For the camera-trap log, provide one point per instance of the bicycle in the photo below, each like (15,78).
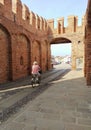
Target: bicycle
(35,80)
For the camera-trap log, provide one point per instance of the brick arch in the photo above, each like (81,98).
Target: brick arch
(22,56)
(77,49)
(36,52)
(5,55)
(57,40)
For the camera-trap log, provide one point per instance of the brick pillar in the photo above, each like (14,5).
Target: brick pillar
(84,59)
(88,43)
(60,25)
(73,57)
(50,25)
(88,59)
(49,56)
(72,23)
(73,62)
(8,9)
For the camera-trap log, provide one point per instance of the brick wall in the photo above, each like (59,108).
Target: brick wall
(87,41)
(24,37)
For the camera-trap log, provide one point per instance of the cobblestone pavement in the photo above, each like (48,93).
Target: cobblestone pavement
(64,105)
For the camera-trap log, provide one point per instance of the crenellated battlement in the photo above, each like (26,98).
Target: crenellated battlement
(72,25)
(19,13)
(22,33)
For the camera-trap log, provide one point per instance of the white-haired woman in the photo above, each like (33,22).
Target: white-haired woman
(35,69)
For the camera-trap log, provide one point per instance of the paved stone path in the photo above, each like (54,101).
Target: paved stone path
(15,94)
(64,105)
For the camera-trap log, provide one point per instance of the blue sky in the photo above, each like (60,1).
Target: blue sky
(55,9)
(61,49)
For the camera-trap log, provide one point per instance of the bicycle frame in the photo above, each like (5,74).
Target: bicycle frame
(35,79)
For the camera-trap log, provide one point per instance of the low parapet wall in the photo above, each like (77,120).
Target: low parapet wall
(72,25)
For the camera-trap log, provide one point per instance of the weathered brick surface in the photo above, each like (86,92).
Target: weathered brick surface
(88,44)
(25,37)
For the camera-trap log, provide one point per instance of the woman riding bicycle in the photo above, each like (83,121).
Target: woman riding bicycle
(36,69)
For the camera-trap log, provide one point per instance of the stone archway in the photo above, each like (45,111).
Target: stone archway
(61,40)
(5,56)
(77,48)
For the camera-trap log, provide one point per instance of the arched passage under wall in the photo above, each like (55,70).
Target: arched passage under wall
(5,55)
(76,51)
(60,40)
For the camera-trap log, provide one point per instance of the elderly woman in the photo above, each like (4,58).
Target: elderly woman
(36,69)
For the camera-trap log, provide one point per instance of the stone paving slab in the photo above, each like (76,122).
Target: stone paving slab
(64,105)
(10,102)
